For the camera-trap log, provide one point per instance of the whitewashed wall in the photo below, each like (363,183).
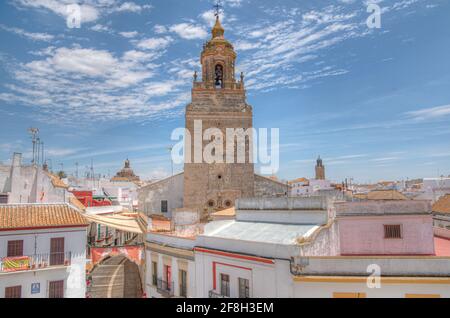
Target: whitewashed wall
(38,242)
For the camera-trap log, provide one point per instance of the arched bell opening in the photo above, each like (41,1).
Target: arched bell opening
(218,76)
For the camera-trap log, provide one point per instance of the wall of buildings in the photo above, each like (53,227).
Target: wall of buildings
(176,252)
(349,290)
(366,235)
(170,189)
(266,187)
(29,184)
(38,242)
(361,227)
(267,278)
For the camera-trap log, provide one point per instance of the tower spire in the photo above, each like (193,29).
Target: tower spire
(217,7)
(218,30)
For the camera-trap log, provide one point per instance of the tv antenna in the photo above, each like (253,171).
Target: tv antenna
(34,132)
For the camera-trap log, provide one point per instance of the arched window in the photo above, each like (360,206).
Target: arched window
(218,76)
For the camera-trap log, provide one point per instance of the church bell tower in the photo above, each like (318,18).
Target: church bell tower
(218,102)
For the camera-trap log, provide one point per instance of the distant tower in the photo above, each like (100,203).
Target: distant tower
(320,170)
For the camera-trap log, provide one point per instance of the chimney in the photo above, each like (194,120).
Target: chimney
(16,178)
(17,160)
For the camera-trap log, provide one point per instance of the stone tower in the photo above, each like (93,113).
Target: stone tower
(218,101)
(320,170)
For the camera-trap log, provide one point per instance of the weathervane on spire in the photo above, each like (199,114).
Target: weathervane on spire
(217,7)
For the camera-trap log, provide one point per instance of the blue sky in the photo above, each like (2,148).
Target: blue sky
(374,103)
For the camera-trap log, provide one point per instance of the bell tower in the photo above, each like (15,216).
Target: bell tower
(219,103)
(320,169)
(217,59)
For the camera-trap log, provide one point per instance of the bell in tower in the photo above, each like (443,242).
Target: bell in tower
(218,62)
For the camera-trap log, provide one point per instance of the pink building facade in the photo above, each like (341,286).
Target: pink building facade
(385,228)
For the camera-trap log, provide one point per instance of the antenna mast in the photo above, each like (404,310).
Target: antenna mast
(34,132)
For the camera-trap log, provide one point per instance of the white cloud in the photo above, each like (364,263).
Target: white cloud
(80,85)
(430,113)
(155,43)
(89,12)
(210,18)
(100,28)
(188,31)
(131,7)
(30,35)
(129,35)
(160,29)
(246,45)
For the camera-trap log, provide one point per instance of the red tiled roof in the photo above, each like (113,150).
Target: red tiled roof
(29,216)
(442,205)
(386,195)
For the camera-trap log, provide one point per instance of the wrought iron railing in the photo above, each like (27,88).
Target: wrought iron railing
(165,288)
(37,261)
(213,294)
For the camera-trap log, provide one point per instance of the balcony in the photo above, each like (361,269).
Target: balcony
(213,294)
(34,262)
(166,289)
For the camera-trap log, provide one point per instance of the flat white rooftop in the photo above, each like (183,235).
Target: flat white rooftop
(263,232)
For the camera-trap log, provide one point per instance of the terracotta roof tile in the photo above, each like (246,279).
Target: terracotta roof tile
(227,212)
(57,182)
(442,205)
(304,180)
(385,195)
(39,216)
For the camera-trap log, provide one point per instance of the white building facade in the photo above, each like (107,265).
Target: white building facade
(45,256)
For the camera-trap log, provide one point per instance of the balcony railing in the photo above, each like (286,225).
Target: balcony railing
(37,261)
(213,294)
(165,288)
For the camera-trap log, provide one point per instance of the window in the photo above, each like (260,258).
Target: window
(211,203)
(155,273)
(225,285)
(228,204)
(13,292)
(168,276)
(183,283)
(56,289)
(99,232)
(3,199)
(244,288)
(15,248)
(57,251)
(164,206)
(392,232)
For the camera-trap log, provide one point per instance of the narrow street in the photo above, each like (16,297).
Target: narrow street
(117,277)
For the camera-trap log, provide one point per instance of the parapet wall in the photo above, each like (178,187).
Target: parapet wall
(311,203)
(379,207)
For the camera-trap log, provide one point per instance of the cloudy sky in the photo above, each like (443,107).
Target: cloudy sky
(374,103)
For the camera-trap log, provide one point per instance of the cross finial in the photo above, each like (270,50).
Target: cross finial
(217,7)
